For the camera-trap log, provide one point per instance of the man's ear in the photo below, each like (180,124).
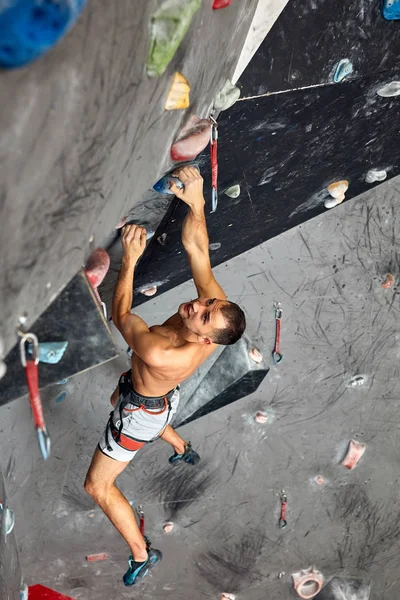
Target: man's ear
(205,340)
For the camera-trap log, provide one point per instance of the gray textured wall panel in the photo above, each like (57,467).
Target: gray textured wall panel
(337,322)
(84,135)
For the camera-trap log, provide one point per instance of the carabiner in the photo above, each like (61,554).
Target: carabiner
(44,442)
(278,310)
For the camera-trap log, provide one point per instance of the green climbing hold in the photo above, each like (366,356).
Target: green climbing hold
(169,25)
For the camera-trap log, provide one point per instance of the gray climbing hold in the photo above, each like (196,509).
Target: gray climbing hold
(343,69)
(233,191)
(390,90)
(375,175)
(215,246)
(227,96)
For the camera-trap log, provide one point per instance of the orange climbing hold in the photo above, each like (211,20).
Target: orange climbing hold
(388,283)
(192,139)
(221,4)
(178,97)
(353,455)
(95,557)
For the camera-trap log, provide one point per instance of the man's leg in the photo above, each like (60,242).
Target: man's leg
(100,485)
(174,439)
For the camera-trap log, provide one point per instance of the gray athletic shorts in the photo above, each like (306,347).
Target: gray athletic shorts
(143,425)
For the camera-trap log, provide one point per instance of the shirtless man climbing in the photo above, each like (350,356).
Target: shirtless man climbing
(163,355)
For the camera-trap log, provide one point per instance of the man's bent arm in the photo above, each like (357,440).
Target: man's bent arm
(194,233)
(123,293)
(147,345)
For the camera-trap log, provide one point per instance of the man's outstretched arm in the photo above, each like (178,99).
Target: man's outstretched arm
(144,343)
(194,233)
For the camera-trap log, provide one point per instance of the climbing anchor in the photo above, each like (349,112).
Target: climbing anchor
(276,355)
(30,364)
(282,518)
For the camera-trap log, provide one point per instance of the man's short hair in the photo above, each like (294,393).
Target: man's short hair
(235,325)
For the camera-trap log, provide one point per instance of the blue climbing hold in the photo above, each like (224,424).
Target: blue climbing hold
(61,397)
(162,185)
(29,28)
(343,69)
(391,9)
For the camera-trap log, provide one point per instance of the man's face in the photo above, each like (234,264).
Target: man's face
(202,316)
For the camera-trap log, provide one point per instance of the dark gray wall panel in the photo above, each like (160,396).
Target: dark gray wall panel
(310,38)
(284,150)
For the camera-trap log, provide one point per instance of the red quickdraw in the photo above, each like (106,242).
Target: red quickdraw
(140,513)
(141,519)
(282,518)
(30,364)
(214,164)
(276,354)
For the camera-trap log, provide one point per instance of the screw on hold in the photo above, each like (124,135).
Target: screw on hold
(343,69)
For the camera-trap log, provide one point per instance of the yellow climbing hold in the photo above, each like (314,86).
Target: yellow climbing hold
(337,191)
(178,97)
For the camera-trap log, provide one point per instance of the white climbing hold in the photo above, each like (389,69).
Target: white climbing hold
(215,246)
(227,96)
(227,596)
(148,291)
(233,191)
(390,90)
(256,355)
(375,175)
(344,68)
(357,380)
(168,527)
(3,369)
(337,192)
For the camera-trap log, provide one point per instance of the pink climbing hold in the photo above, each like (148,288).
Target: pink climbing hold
(261,417)
(97,266)
(256,355)
(353,455)
(121,223)
(168,527)
(149,291)
(221,4)
(192,139)
(307,583)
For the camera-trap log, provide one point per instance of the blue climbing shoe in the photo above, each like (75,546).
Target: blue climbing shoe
(190,456)
(138,570)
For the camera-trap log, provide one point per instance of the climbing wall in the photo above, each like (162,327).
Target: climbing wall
(85,133)
(295,131)
(339,381)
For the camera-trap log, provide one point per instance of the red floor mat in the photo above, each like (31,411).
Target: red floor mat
(39,592)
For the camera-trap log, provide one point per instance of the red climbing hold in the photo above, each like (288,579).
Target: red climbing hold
(354,453)
(221,4)
(97,266)
(192,140)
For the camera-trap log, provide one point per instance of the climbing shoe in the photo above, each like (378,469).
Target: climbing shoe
(138,570)
(190,456)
